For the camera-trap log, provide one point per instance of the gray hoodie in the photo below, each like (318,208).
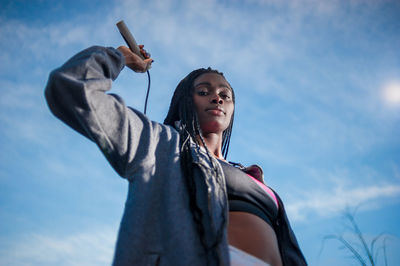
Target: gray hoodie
(157,227)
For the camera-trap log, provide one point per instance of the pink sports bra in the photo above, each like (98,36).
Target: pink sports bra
(247,194)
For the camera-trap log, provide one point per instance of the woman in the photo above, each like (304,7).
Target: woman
(186,205)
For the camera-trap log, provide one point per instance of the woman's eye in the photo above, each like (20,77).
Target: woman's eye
(202,93)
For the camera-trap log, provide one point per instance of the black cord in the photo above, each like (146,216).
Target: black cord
(148,90)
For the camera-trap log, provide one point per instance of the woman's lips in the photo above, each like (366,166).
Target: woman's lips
(216,111)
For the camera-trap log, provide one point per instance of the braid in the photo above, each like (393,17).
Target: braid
(181,109)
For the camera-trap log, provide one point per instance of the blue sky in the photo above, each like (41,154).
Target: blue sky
(318,107)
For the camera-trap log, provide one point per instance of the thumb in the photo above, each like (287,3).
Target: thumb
(148,62)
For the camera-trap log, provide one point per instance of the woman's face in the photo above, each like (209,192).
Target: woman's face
(213,101)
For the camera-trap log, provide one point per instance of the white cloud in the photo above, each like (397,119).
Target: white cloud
(324,203)
(211,32)
(23,112)
(92,247)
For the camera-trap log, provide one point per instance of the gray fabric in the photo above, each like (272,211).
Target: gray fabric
(157,227)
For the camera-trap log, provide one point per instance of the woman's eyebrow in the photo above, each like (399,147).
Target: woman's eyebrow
(222,85)
(202,83)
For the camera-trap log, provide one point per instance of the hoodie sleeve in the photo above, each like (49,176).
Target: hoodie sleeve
(77,94)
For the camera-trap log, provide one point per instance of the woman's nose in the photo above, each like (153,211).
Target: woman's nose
(217,99)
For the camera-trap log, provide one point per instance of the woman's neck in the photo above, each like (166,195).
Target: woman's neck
(213,142)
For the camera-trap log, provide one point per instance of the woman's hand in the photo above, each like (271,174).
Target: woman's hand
(134,61)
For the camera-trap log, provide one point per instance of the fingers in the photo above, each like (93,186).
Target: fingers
(126,51)
(134,62)
(148,62)
(144,52)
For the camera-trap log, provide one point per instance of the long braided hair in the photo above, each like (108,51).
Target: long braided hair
(182,109)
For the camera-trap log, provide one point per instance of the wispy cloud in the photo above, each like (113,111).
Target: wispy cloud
(91,247)
(23,112)
(326,204)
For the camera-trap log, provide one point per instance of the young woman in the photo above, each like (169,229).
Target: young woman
(186,205)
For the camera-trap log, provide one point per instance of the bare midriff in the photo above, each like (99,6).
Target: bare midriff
(253,235)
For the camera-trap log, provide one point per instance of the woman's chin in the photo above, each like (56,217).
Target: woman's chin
(213,127)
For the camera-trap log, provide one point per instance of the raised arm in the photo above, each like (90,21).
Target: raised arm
(76,94)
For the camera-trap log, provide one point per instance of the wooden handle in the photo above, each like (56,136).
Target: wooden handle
(128,37)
